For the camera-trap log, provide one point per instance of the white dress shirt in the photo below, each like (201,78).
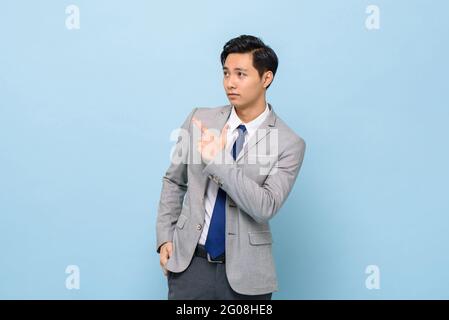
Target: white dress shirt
(212,188)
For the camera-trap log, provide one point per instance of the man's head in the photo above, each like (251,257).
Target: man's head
(249,67)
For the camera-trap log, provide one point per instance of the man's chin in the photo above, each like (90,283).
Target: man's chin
(236,105)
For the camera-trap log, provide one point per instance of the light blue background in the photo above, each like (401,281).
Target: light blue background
(85,118)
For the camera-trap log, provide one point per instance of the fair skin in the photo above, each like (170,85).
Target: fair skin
(241,78)
(246,91)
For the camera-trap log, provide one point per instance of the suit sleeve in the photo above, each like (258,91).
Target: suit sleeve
(261,202)
(174,187)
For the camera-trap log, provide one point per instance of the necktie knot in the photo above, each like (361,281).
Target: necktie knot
(241,128)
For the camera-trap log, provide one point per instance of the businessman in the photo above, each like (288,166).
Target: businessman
(231,171)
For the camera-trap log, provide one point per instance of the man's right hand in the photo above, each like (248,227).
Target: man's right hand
(165,254)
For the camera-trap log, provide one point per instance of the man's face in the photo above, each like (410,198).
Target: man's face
(241,81)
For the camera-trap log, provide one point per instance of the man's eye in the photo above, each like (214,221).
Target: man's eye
(241,74)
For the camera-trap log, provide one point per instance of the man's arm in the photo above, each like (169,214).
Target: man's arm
(260,202)
(174,187)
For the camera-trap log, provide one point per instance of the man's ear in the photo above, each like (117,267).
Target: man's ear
(267,78)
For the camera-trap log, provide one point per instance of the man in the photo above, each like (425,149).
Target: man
(232,169)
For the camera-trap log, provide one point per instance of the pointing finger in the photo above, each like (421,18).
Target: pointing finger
(224,134)
(199,125)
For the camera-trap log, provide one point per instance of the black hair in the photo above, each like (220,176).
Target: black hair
(264,58)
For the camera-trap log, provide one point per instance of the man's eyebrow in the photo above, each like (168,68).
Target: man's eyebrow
(237,69)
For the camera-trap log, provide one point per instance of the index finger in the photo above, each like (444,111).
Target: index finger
(224,133)
(199,124)
(225,129)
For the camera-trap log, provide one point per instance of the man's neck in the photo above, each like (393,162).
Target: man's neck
(247,114)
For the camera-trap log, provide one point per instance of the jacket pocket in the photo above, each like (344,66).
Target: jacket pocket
(181,221)
(260,238)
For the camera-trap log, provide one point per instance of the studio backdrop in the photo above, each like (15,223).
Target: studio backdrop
(91,91)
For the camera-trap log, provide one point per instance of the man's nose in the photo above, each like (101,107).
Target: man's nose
(230,84)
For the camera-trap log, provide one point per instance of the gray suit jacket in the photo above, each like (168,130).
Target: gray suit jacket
(257,183)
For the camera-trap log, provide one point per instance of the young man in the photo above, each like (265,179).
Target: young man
(232,169)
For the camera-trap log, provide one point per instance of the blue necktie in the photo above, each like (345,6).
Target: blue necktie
(215,242)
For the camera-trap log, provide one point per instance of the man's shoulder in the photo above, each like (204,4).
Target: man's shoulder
(286,133)
(204,114)
(211,110)
(208,115)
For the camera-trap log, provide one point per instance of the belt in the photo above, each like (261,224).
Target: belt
(201,252)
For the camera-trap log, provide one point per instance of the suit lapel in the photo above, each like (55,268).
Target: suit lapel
(263,131)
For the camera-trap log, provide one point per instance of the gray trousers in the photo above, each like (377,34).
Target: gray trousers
(203,280)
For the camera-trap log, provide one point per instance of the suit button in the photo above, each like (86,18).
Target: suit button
(198,227)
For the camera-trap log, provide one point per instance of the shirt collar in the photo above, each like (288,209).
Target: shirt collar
(234,121)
